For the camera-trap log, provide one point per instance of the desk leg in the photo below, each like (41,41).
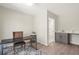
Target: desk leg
(2,48)
(31,42)
(36,46)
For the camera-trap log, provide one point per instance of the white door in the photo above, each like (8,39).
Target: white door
(51,30)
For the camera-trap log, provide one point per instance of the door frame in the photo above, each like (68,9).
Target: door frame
(48,29)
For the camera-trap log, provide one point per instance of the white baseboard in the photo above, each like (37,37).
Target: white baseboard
(42,42)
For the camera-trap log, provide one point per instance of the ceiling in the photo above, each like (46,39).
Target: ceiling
(32,10)
(57,8)
(62,8)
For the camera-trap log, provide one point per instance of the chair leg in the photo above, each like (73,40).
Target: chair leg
(21,46)
(36,46)
(24,46)
(14,49)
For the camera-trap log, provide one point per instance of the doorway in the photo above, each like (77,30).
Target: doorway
(51,30)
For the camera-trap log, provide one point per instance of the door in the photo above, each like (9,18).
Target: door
(51,30)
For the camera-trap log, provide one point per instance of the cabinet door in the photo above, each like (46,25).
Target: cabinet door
(61,37)
(74,39)
(58,37)
(64,38)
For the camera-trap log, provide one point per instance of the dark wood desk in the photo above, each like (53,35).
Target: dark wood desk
(6,41)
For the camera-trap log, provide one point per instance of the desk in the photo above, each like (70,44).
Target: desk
(5,41)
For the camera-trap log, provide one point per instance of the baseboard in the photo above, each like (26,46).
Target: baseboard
(43,43)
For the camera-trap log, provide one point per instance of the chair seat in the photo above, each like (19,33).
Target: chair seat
(19,43)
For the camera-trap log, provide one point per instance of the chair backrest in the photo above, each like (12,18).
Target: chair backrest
(18,35)
(34,37)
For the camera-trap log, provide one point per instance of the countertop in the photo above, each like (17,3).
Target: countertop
(73,33)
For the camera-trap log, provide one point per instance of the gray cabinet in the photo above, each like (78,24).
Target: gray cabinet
(62,38)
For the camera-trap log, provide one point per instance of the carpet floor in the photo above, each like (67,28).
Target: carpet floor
(52,49)
(8,50)
(60,49)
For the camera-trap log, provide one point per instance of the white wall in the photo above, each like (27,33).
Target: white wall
(14,21)
(40,26)
(69,23)
(0,23)
(68,16)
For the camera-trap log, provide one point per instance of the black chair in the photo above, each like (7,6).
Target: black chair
(34,41)
(18,40)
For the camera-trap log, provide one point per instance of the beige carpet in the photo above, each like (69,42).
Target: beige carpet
(59,49)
